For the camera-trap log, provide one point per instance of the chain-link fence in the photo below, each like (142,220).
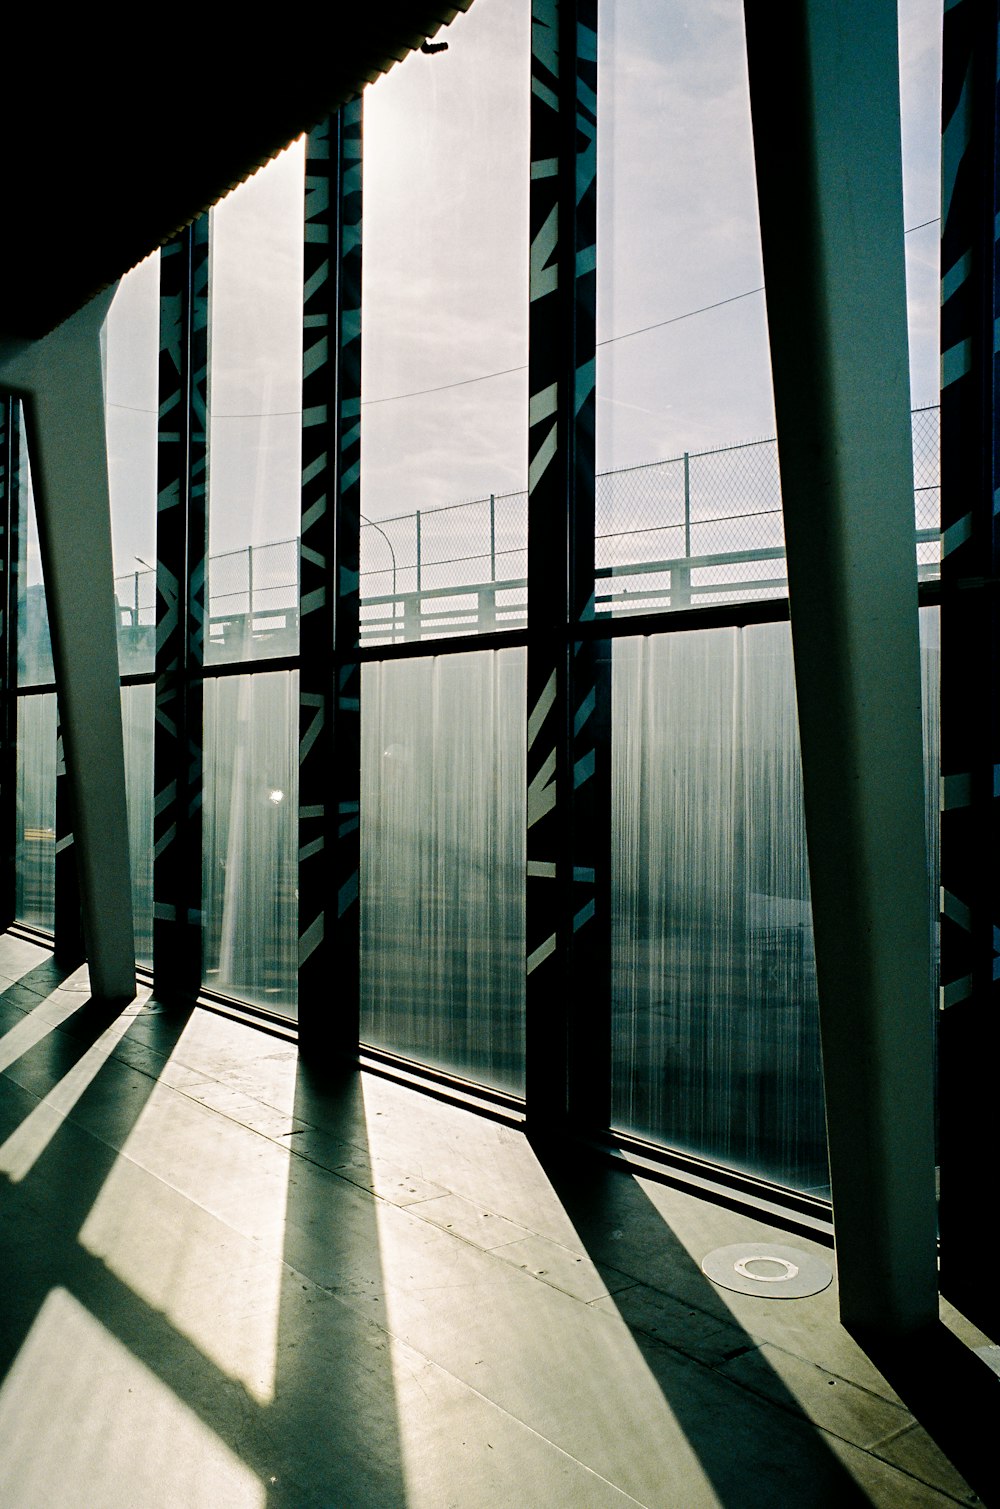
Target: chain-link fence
(461,569)
(253,602)
(927,488)
(705,527)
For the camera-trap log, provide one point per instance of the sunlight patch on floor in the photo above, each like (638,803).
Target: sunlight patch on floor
(48,1014)
(30,1139)
(192,1219)
(538,1353)
(83,1421)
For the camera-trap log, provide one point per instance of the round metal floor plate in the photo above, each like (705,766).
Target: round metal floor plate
(766,1270)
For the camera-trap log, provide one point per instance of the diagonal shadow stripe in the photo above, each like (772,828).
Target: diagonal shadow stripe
(953,1393)
(332,1422)
(40,979)
(753,1454)
(335,1377)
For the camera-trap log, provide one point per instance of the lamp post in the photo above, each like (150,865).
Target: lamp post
(372,525)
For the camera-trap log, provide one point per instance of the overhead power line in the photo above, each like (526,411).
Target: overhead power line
(465,382)
(610,341)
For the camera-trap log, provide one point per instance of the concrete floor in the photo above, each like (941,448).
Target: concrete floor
(227,1285)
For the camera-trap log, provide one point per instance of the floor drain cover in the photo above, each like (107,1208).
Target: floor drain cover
(767,1271)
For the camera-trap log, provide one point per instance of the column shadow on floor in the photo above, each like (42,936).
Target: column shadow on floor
(335,1403)
(756,1446)
(953,1393)
(330,1429)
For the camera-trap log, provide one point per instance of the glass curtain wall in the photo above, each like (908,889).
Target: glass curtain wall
(34,646)
(131,362)
(443,549)
(138,709)
(689,504)
(36,810)
(715,1020)
(683,366)
(715,1031)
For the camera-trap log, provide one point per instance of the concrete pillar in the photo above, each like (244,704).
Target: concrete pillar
(825,107)
(60,382)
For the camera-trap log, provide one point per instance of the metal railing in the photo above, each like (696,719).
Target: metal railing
(702,528)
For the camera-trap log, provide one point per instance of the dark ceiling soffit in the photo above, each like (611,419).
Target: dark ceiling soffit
(102,167)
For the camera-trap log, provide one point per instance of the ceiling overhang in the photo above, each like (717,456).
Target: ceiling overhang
(101,165)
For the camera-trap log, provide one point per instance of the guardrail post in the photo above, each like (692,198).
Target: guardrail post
(417,517)
(493,537)
(486,599)
(411,616)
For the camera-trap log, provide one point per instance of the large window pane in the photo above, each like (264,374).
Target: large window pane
(138,707)
(444,366)
(255,413)
(716,1027)
(688,511)
(36,810)
(34,645)
(132,348)
(250,837)
(716,1041)
(442,862)
(683,363)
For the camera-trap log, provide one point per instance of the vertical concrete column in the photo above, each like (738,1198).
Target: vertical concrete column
(826,130)
(60,382)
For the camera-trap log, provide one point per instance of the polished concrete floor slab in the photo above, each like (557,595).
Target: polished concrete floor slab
(227,1281)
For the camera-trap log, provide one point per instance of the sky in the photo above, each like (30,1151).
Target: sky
(678,227)
(445,275)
